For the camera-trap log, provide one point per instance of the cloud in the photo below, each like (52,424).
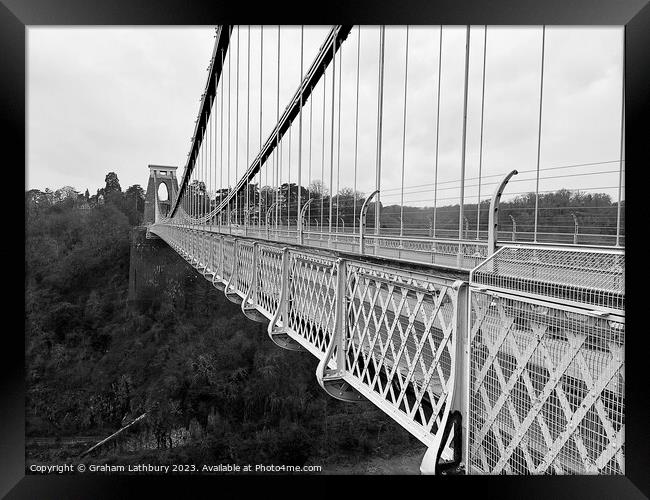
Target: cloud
(117,99)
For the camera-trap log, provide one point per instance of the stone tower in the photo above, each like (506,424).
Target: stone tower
(159,174)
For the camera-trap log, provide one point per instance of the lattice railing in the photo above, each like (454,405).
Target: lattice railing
(547,363)
(269,276)
(312,298)
(401,344)
(228,258)
(244,258)
(544,352)
(464,255)
(389,334)
(215,255)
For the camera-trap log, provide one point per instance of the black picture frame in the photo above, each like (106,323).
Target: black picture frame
(17,15)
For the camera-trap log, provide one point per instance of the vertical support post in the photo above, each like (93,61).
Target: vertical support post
(458,397)
(494,213)
(279,335)
(332,380)
(340,328)
(252,289)
(233,276)
(211,252)
(221,255)
(461,384)
(284,304)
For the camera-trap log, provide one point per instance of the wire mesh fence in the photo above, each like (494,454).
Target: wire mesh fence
(547,363)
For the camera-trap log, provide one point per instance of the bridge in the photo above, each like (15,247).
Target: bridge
(501,350)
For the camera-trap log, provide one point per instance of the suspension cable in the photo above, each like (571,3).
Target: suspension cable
(435,182)
(480,154)
(248,111)
(311,109)
(221,142)
(356,135)
(464,141)
(277,140)
(289,180)
(237,196)
(332,139)
(299,206)
(406,71)
(338,153)
(322,197)
(210,156)
(539,134)
(380,116)
(229,139)
(259,215)
(622,157)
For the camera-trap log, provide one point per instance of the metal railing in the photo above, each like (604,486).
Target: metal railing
(529,359)
(546,362)
(384,334)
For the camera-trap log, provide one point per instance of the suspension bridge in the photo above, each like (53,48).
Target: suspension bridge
(486,329)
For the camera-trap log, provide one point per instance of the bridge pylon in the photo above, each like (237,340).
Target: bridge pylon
(159,174)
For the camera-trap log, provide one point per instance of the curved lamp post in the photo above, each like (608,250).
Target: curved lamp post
(300,220)
(362,219)
(268,214)
(493,226)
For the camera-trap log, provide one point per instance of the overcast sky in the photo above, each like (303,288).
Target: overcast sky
(118,99)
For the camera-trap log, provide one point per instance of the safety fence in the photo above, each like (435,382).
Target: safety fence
(516,369)
(462,254)
(380,333)
(546,362)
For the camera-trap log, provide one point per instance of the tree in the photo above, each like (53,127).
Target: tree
(65,193)
(112,183)
(318,189)
(136,195)
(113,190)
(349,203)
(134,204)
(36,200)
